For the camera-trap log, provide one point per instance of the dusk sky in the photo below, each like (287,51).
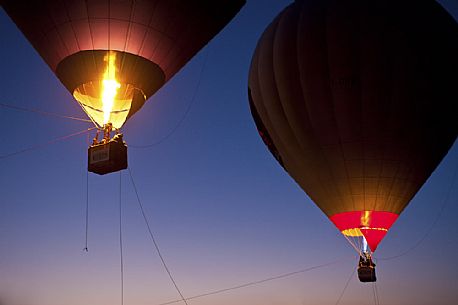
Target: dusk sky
(223,211)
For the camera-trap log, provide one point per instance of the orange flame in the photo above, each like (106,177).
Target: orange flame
(365,218)
(110,86)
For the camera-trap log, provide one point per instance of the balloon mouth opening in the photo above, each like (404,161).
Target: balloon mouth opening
(106,101)
(112,107)
(123,79)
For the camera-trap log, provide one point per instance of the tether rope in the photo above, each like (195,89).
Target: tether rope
(87,211)
(45,144)
(375,291)
(185,114)
(153,239)
(87,204)
(345,287)
(43,113)
(253,283)
(433,224)
(120,241)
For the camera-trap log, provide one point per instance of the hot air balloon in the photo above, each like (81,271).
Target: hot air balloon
(357,101)
(112,55)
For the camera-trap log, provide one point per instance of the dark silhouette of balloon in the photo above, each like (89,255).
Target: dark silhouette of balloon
(146,42)
(357,100)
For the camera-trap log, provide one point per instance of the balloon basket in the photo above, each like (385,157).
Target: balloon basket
(366,269)
(107,157)
(366,274)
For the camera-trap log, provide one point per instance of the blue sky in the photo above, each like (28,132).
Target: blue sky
(223,211)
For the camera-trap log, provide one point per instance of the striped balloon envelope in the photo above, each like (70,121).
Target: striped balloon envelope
(136,46)
(357,101)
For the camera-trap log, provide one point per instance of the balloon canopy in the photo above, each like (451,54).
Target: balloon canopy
(357,100)
(112,55)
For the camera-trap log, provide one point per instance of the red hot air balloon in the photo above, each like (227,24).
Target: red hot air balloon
(112,55)
(357,100)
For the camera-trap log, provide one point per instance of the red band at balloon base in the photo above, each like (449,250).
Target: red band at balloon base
(373,224)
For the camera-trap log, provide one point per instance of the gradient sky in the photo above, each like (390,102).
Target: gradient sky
(223,211)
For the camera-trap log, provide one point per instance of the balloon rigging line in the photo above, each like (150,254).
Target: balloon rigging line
(433,224)
(43,112)
(87,202)
(375,292)
(153,239)
(120,240)
(351,243)
(346,286)
(46,144)
(253,283)
(87,211)
(87,113)
(185,114)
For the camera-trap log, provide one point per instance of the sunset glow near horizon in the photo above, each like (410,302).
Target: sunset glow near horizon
(223,211)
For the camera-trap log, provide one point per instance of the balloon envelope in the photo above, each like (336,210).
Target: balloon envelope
(151,41)
(357,100)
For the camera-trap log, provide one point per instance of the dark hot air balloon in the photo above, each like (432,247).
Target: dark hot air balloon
(357,101)
(112,55)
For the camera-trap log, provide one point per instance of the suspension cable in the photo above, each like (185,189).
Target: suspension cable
(46,144)
(43,112)
(433,224)
(253,283)
(352,244)
(87,211)
(375,291)
(190,104)
(120,241)
(90,117)
(153,239)
(87,203)
(345,287)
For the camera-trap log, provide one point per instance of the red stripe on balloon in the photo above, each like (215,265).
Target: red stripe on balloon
(373,224)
